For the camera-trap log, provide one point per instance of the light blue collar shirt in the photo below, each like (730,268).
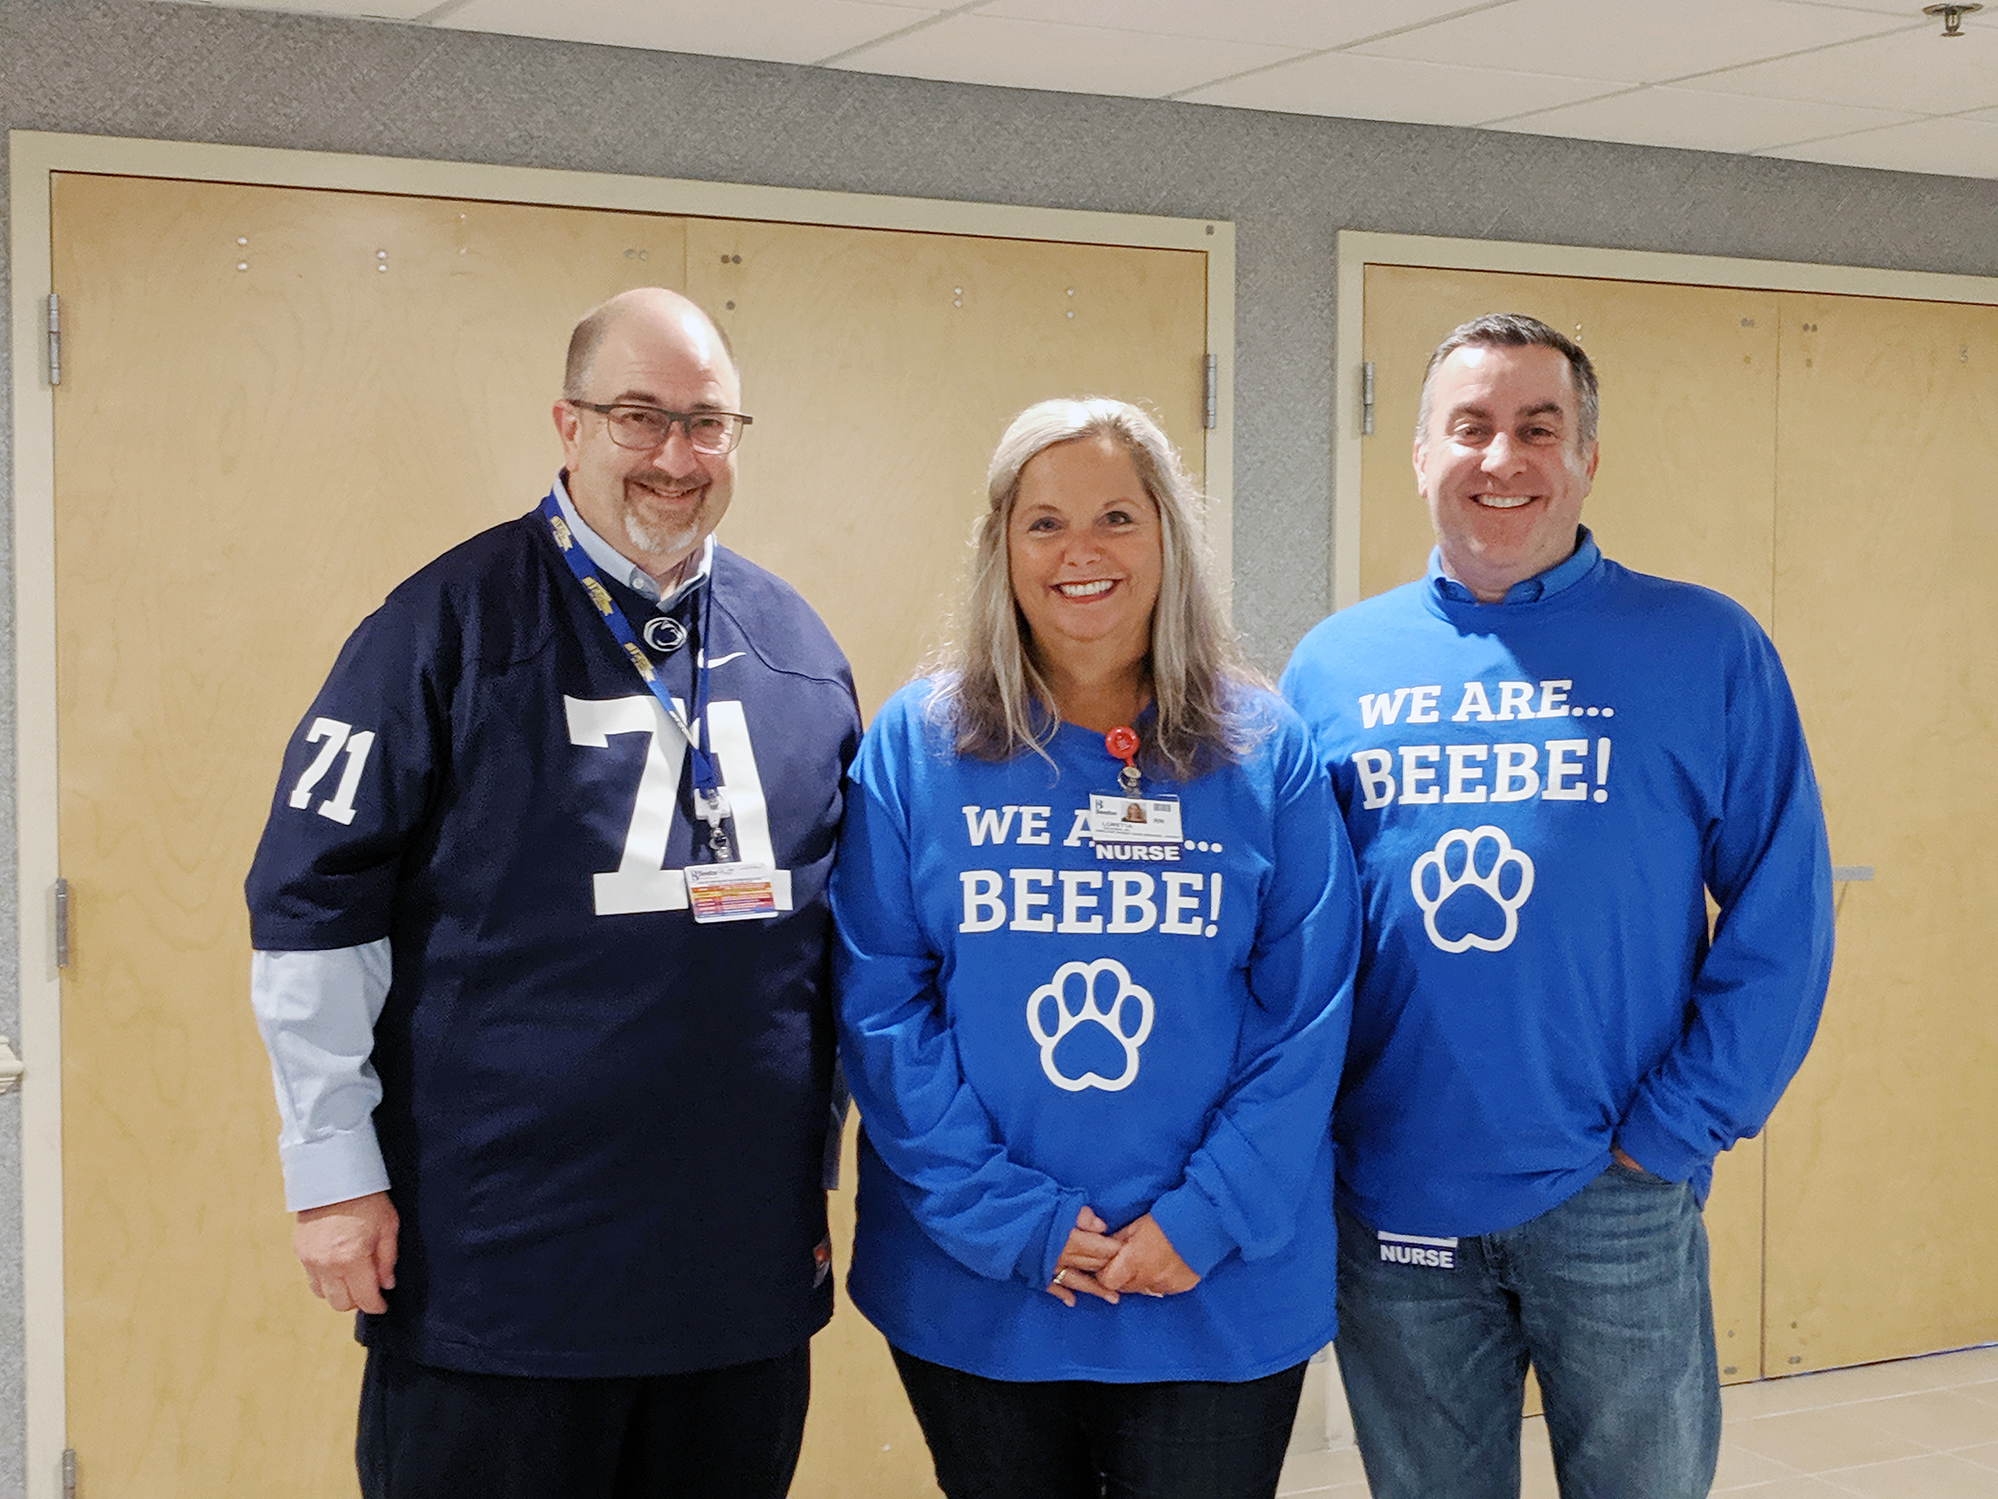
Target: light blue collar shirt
(614,564)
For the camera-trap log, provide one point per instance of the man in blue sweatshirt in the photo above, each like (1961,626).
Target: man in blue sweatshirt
(1546,763)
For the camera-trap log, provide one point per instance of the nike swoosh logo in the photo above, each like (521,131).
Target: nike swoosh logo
(720,660)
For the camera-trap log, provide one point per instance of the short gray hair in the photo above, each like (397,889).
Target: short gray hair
(1515,330)
(990,688)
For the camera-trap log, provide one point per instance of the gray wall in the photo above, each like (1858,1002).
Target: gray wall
(1289,183)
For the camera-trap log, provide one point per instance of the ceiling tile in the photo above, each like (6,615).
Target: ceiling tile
(1905,9)
(1699,121)
(1917,69)
(1628,41)
(768,30)
(1954,148)
(1276,23)
(1389,88)
(379,10)
(975,48)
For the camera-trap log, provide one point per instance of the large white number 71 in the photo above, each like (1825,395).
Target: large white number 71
(641,882)
(332,735)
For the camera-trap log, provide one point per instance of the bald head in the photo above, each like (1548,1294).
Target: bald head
(647,309)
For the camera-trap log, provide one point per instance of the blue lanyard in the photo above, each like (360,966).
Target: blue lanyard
(707,783)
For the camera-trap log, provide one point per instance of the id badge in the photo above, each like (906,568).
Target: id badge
(1115,818)
(739,891)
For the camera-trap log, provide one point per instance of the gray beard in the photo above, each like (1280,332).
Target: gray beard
(659,541)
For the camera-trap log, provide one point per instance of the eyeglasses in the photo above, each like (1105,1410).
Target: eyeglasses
(643,428)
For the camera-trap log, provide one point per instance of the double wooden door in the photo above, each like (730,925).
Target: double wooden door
(275,404)
(1827,462)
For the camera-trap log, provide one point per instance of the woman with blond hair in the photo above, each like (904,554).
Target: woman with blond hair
(1097,927)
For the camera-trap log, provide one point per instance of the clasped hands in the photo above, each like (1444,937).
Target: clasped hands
(1137,1257)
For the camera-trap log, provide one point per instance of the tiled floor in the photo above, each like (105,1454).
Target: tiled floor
(1920,1428)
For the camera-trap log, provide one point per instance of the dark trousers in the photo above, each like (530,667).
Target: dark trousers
(1078,1439)
(729,1433)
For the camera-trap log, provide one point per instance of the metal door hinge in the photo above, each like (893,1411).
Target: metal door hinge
(69,1473)
(55,339)
(1367,399)
(1210,392)
(62,923)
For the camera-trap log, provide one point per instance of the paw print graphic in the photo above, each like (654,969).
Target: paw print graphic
(1100,994)
(1467,871)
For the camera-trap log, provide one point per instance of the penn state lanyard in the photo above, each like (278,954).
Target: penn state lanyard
(710,800)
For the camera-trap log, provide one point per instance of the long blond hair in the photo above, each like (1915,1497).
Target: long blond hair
(988,686)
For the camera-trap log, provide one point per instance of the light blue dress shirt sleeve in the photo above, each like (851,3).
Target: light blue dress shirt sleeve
(316,1012)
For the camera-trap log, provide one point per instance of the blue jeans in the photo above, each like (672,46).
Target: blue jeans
(1078,1439)
(1606,1296)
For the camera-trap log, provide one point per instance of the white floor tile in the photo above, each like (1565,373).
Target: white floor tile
(1935,1475)
(1922,1428)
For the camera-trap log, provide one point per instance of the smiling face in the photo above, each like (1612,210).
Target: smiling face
(655,507)
(1502,465)
(1084,552)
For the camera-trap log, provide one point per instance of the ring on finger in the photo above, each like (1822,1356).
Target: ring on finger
(1058,1277)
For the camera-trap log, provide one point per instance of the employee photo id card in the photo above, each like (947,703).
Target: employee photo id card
(739,891)
(1115,818)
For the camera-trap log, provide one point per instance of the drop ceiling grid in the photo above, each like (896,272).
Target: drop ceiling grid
(1858,82)
(1310,24)
(795,31)
(1393,88)
(1701,121)
(975,47)
(1917,70)
(1962,146)
(1630,41)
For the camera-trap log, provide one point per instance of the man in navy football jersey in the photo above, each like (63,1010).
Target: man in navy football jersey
(541,950)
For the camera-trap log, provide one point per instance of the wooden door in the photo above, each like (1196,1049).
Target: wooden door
(874,421)
(1686,490)
(276,403)
(1883,1188)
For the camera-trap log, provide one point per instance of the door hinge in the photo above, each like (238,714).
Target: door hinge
(1210,392)
(69,1473)
(1367,399)
(55,339)
(62,923)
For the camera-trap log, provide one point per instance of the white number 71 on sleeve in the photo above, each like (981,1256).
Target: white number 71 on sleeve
(332,736)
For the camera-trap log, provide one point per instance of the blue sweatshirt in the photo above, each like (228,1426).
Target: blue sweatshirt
(1540,794)
(1031,1022)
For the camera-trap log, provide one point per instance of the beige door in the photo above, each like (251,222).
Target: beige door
(1676,363)
(1883,1185)
(1827,461)
(276,403)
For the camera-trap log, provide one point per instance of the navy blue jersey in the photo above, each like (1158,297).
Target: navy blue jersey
(602,1122)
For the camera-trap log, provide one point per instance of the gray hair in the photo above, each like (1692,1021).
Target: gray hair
(989,687)
(1515,330)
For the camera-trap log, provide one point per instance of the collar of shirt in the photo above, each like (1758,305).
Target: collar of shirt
(1564,574)
(614,564)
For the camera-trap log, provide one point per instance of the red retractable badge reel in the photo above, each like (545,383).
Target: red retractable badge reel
(1122,742)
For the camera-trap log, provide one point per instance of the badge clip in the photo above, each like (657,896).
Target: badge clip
(713,808)
(1122,742)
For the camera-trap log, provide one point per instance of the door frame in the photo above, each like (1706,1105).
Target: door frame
(1358,249)
(34,157)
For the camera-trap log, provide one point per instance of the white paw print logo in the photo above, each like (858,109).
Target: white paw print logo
(1100,993)
(1475,861)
